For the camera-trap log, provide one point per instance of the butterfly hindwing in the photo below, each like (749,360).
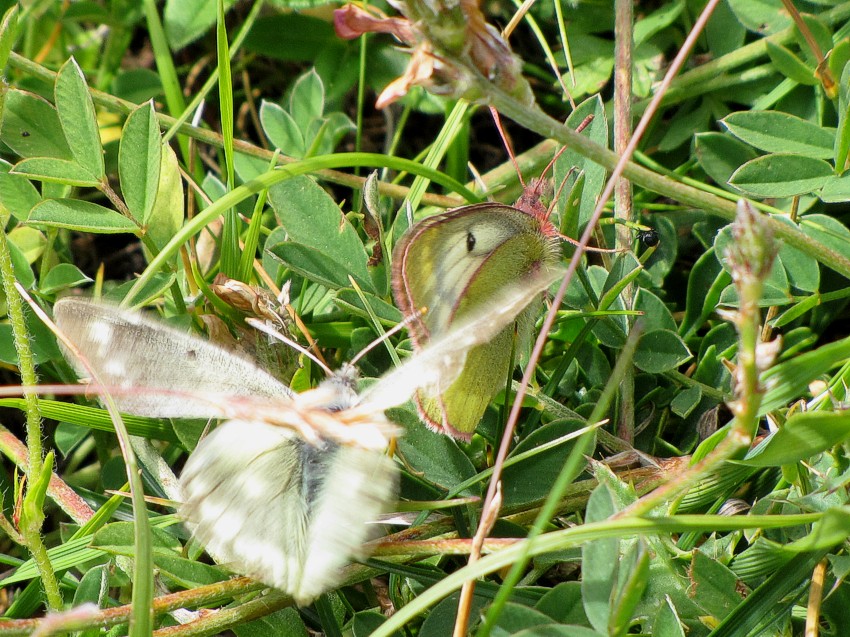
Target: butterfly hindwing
(284,511)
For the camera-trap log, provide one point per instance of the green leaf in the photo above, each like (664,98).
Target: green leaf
(82,216)
(775,132)
(313,220)
(17,194)
(530,480)
(714,587)
(802,270)
(781,175)
(832,529)
(67,555)
(828,230)
(660,351)
(842,137)
(802,436)
(307,101)
(836,189)
(667,622)
(656,21)
(24,275)
(60,171)
(93,587)
(139,158)
(633,575)
(187,573)
(117,538)
(593,174)
(517,618)
(286,622)
(706,281)
(281,129)
(723,32)
(720,155)
(656,315)
(553,630)
(68,436)
(764,17)
(441,619)
(31,127)
(78,119)
(96,418)
(292,38)
(137,85)
(790,65)
(563,603)
(62,277)
(686,401)
(43,342)
(32,511)
(187,20)
(788,380)
(313,265)
(349,300)
(166,215)
(599,563)
(29,241)
(437,457)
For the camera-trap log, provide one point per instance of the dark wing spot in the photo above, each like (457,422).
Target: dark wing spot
(470,242)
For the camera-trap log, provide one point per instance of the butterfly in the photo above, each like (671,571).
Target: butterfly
(286,488)
(453,264)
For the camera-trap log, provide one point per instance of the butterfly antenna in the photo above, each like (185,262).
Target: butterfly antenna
(383,337)
(265,329)
(498,121)
(584,124)
(558,193)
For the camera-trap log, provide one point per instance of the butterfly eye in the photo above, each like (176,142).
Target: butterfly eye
(470,242)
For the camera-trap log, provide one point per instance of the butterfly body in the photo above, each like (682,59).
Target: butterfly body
(453,264)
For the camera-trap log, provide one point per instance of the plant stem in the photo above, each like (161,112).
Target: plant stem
(623,204)
(31,532)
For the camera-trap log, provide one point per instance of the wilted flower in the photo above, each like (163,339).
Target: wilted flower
(451,46)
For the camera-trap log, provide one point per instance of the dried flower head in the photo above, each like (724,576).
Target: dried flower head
(451,46)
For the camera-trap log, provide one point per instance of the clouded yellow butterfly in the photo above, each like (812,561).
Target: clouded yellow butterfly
(454,263)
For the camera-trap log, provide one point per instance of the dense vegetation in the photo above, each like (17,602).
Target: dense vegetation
(147,149)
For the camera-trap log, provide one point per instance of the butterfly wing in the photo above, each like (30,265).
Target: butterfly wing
(455,264)
(435,368)
(442,256)
(281,510)
(127,350)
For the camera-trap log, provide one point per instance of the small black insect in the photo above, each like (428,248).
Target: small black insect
(25,133)
(649,238)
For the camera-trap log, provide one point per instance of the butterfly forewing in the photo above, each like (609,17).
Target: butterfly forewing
(128,351)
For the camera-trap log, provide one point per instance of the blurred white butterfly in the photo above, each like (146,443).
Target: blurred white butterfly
(284,490)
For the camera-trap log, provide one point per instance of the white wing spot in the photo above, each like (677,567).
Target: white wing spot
(101,333)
